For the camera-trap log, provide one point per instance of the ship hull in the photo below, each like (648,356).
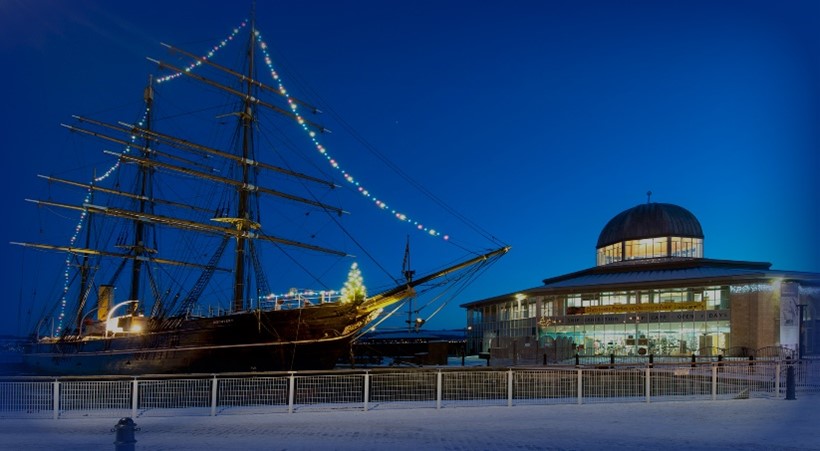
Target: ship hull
(312,338)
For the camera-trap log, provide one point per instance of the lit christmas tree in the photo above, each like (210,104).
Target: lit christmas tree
(354,290)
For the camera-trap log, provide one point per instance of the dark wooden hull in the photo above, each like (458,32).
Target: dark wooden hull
(311,338)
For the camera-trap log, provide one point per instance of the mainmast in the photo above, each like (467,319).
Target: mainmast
(243,220)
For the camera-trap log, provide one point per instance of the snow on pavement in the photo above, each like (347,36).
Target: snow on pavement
(744,424)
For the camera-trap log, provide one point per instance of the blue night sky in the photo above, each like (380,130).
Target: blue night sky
(536,120)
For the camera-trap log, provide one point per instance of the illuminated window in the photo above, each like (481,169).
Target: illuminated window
(659,247)
(645,248)
(716,298)
(687,247)
(613,298)
(609,254)
(547,308)
(671,295)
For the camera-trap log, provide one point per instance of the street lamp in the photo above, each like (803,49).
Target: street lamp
(419,322)
(464,346)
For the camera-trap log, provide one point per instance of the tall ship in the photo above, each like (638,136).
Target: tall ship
(180,241)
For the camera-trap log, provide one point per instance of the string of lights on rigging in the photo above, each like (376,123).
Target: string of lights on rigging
(208,55)
(379,203)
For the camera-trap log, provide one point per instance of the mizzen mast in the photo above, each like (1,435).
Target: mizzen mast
(138,248)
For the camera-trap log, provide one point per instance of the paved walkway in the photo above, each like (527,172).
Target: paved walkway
(748,424)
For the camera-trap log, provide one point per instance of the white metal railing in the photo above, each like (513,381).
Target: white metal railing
(390,388)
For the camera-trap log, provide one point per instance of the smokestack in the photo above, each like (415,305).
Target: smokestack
(105,296)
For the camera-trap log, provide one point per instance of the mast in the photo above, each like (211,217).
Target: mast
(408,278)
(243,220)
(139,248)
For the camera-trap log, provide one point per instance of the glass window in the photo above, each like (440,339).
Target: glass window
(672,295)
(650,248)
(714,298)
(659,247)
(646,248)
(617,297)
(547,308)
(687,247)
(609,254)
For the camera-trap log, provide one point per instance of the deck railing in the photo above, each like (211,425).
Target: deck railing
(378,389)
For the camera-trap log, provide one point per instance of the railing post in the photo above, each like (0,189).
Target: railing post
(134,397)
(777,381)
(214,387)
(647,382)
(580,386)
(366,389)
(56,400)
(509,387)
(291,391)
(438,390)
(714,382)
(790,383)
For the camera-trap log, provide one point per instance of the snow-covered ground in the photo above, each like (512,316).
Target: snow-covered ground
(742,424)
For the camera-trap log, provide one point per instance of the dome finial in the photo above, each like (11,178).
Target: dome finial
(648,197)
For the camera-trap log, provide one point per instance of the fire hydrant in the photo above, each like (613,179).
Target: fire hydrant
(125,440)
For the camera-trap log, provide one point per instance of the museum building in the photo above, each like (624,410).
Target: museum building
(652,292)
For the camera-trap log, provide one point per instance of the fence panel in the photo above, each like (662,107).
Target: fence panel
(807,376)
(95,398)
(403,390)
(243,394)
(19,399)
(614,385)
(325,392)
(170,396)
(740,381)
(474,388)
(680,383)
(550,386)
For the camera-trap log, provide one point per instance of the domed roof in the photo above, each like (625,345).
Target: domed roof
(650,220)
